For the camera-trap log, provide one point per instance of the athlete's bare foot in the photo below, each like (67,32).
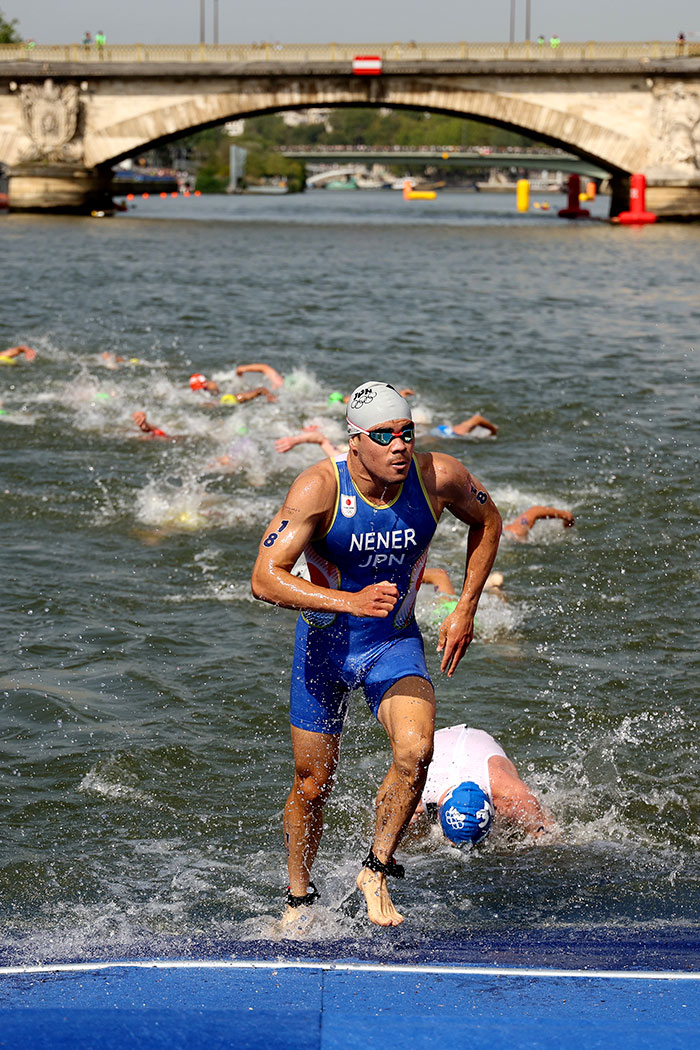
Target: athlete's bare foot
(296,921)
(380,909)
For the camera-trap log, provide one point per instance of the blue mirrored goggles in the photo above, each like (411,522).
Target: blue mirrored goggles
(386,436)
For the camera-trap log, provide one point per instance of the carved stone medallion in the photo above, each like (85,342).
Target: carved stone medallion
(50,114)
(677,128)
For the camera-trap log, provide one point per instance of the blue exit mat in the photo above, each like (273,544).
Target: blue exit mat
(319,1005)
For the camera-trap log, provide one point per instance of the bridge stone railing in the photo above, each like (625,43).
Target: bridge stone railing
(344,53)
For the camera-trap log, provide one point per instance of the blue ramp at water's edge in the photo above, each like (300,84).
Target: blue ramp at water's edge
(329,1006)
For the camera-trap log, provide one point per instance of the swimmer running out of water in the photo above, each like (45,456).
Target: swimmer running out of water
(365,521)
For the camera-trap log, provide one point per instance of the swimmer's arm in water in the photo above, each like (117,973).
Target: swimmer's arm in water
(467,425)
(271,374)
(440,580)
(310,435)
(524,522)
(258,391)
(16,351)
(146,429)
(456,490)
(306,512)
(515,802)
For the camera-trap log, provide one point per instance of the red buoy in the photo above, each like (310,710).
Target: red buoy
(637,215)
(573,209)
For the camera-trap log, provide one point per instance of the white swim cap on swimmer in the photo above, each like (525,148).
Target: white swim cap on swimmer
(373,403)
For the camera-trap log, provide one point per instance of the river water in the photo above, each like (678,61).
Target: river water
(143,692)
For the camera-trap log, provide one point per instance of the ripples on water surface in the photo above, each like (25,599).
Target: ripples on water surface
(143,691)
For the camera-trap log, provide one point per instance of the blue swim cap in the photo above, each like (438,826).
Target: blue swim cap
(466,814)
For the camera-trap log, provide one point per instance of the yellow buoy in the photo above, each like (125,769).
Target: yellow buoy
(522,194)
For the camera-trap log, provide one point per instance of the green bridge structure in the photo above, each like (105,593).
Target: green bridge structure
(69,113)
(479,157)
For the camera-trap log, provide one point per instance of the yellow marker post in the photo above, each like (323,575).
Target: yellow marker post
(522,194)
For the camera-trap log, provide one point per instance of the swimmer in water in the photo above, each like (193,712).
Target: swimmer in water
(9,356)
(465,427)
(310,435)
(147,431)
(198,381)
(313,435)
(365,522)
(440,580)
(113,361)
(520,528)
(209,386)
(271,374)
(470,782)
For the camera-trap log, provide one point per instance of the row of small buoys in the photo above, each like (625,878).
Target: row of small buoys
(163,195)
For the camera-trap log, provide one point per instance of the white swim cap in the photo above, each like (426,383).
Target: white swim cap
(373,403)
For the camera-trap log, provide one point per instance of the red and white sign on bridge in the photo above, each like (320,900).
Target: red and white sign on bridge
(367,65)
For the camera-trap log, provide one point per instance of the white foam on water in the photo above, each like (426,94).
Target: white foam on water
(186,508)
(96,782)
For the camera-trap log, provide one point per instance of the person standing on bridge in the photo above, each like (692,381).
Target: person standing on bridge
(365,521)
(100,40)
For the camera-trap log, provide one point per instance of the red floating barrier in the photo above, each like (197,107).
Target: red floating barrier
(367,65)
(637,215)
(573,209)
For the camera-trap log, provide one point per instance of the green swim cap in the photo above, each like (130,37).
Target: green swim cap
(334,397)
(101,396)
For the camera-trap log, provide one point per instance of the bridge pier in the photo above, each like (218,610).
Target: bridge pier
(677,199)
(60,188)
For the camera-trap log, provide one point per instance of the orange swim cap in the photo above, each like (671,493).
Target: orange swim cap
(198,381)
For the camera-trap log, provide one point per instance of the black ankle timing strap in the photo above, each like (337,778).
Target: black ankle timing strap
(306,898)
(396,871)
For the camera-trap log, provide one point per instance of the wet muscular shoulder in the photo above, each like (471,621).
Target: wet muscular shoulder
(313,495)
(451,484)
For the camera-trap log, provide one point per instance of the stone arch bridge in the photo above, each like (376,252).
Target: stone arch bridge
(67,115)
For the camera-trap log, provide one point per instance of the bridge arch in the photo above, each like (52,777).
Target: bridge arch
(150,121)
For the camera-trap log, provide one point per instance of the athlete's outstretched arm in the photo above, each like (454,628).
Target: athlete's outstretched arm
(309,504)
(465,497)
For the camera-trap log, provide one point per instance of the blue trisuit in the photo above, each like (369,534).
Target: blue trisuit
(336,653)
